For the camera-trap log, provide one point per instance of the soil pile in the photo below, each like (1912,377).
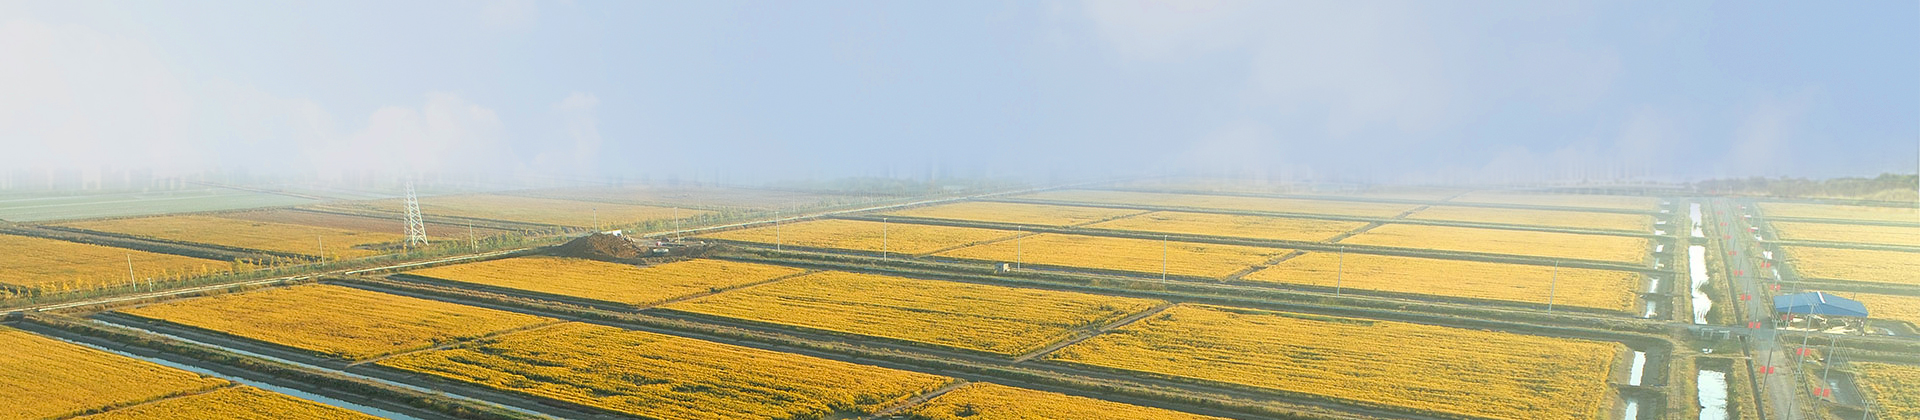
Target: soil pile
(599,246)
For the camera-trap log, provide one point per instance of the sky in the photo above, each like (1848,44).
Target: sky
(1415,91)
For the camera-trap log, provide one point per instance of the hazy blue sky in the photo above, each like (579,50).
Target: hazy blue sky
(1395,89)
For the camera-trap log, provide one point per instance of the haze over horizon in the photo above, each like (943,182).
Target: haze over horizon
(758,91)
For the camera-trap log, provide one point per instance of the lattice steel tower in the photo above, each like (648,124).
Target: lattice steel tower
(416,230)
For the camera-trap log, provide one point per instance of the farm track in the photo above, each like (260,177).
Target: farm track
(916,401)
(1090,333)
(1269,243)
(1322,216)
(960,364)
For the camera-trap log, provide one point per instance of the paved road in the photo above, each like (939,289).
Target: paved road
(1756,282)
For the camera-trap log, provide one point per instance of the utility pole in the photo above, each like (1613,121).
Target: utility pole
(1163,257)
(323,246)
(471,243)
(1339,269)
(136,282)
(883,238)
(1019,260)
(1552,285)
(776,231)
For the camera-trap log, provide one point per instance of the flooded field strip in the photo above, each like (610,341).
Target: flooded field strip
(321,368)
(1693,213)
(1712,388)
(256,384)
(1697,273)
(1639,368)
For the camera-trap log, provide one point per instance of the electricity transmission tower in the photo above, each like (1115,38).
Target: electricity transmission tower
(416,230)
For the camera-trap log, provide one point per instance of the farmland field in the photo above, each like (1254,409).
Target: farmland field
(1257,227)
(1835,232)
(1123,254)
(1891,388)
(605,281)
(544,211)
(1854,264)
(1891,307)
(235,402)
(46,378)
(993,319)
(1549,218)
(39,208)
(1515,242)
(1614,202)
(53,264)
(359,223)
(1031,214)
(337,321)
(699,197)
(986,401)
(1841,212)
(266,236)
(1596,289)
(1224,202)
(661,376)
(1439,369)
(900,238)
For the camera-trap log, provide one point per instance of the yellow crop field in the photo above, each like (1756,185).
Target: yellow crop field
(1550,218)
(545,211)
(662,376)
(1573,287)
(1439,369)
(1227,202)
(266,236)
(1515,242)
(985,401)
(46,378)
(993,319)
(1890,307)
(236,402)
(1891,387)
(1854,264)
(54,265)
(611,282)
(1616,202)
(1258,227)
(899,238)
(337,321)
(1835,232)
(1840,212)
(1032,214)
(1123,254)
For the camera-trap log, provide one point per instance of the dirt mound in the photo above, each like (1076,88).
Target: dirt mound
(599,246)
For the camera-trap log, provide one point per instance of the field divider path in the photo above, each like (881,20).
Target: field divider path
(728,289)
(916,400)
(1323,216)
(1093,332)
(457,343)
(1237,275)
(1123,216)
(977,243)
(230,384)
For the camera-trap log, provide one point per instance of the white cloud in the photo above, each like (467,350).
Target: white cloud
(72,94)
(580,127)
(510,14)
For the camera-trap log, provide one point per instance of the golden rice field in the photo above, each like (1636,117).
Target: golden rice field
(1891,307)
(1570,287)
(1623,249)
(662,376)
(544,211)
(1891,387)
(46,378)
(985,401)
(899,238)
(1854,264)
(1835,232)
(233,403)
(337,321)
(1022,213)
(993,319)
(1438,369)
(1225,202)
(265,236)
(1549,218)
(55,265)
(611,282)
(1123,254)
(1257,227)
(1616,202)
(1840,212)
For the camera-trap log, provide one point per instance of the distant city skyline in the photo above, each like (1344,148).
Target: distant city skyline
(1373,91)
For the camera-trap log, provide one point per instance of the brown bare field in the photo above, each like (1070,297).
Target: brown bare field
(358,223)
(544,211)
